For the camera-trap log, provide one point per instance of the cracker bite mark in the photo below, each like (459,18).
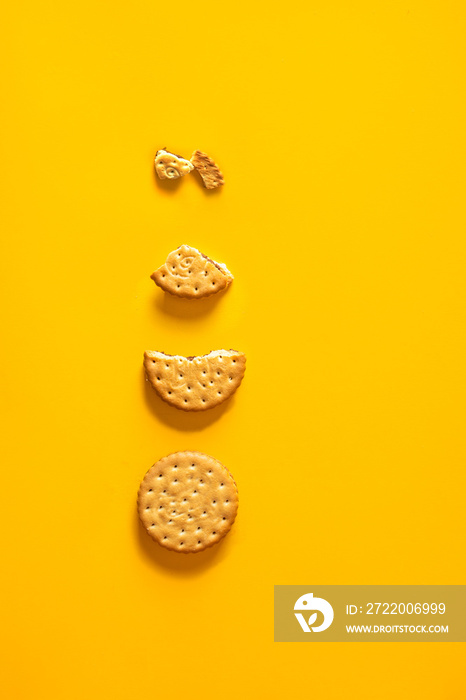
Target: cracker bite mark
(211,174)
(187,501)
(190,274)
(195,383)
(169,166)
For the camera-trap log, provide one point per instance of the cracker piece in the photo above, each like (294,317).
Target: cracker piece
(209,171)
(187,501)
(195,383)
(169,166)
(190,274)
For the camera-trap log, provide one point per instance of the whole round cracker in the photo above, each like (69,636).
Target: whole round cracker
(195,383)
(187,501)
(190,274)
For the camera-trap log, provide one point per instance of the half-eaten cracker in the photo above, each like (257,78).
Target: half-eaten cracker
(207,169)
(195,383)
(190,274)
(187,501)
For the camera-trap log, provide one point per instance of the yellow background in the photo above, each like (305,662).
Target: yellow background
(340,130)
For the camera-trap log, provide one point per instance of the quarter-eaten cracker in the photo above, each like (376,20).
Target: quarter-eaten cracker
(190,274)
(209,171)
(169,166)
(187,501)
(195,383)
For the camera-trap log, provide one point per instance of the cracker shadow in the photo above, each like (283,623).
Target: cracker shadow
(183,564)
(187,309)
(182,420)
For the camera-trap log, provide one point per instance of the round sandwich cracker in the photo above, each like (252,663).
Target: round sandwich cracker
(187,501)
